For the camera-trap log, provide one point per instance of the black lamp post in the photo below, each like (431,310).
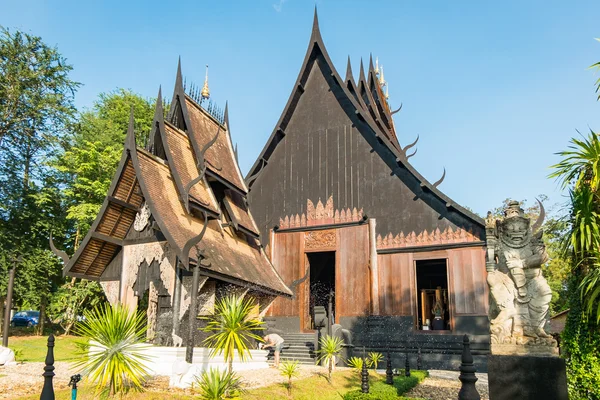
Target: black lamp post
(9,294)
(364,374)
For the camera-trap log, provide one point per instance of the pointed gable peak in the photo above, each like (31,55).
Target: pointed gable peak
(316,32)
(179,79)
(349,74)
(159,103)
(130,137)
(371,68)
(362,71)
(226,115)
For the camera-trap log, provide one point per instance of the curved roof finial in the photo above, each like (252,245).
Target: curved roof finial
(316,32)
(130,137)
(205,91)
(377,65)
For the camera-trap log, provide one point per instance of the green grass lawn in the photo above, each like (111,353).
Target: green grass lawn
(34,348)
(313,388)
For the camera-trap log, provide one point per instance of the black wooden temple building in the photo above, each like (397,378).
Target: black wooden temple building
(174,232)
(331,209)
(342,211)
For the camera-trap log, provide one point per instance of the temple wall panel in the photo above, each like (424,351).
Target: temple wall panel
(288,259)
(352,275)
(396,284)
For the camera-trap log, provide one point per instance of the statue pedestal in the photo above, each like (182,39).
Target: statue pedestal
(527,377)
(519,350)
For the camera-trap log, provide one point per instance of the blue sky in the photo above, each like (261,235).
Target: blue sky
(494,89)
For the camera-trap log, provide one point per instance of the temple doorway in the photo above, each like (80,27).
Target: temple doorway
(432,289)
(322,284)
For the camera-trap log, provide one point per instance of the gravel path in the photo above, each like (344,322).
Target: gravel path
(26,379)
(444,385)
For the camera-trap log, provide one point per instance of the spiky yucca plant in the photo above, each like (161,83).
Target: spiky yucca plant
(356,363)
(374,359)
(330,347)
(112,360)
(232,327)
(217,385)
(289,369)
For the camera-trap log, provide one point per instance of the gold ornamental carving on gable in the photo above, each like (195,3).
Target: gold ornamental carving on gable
(325,239)
(425,238)
(321,214)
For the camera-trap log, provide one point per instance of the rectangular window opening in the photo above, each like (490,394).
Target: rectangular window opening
(432,295)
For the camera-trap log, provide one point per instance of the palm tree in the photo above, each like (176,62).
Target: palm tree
(112,358)
(232,327)
(330,347)
(579,172)
(290,369)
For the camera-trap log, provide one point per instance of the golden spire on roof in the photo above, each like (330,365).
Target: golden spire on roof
(382,81)
(205,92)
(377,65)
(387,93)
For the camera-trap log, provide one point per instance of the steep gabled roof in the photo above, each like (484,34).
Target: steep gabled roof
(365,121)
(231,253)
(381,103)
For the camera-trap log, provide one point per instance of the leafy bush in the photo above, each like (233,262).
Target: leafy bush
(381,391)
(374,359)
(232,328)
(356,363)
(330,347)
(289,369)
(581,346)
(113,360)
(217,385)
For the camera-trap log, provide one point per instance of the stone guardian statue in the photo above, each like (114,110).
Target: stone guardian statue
(519,294)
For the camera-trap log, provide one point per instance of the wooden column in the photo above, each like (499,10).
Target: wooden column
(177,298)
(189,348)
(374,267)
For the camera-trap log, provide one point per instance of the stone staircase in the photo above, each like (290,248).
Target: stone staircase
(297,346)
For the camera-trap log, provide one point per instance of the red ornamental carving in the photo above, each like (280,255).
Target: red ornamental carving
(321,215)
(425,238)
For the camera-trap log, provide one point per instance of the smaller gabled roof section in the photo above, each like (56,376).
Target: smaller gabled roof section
(220,157)
(229,257)
(239,213)
(105,238)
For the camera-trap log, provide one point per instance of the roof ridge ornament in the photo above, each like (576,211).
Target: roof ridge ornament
(205,91)
(349,74)
(316,31)
(439,181)
(377,65)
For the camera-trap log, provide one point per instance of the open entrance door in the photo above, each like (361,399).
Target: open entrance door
(322,285)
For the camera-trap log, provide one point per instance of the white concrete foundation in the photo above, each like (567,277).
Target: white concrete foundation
(170,361)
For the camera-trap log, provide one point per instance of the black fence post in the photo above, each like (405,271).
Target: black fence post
(389,373)
(468,391)
(48,389)
(364,375)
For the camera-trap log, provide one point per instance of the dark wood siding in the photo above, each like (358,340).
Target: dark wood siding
(288,259)
(396,284)
(466,281)
(352,278)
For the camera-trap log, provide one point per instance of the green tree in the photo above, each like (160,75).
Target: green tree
(579,173)
(289,369)
(232,327)
(36,109)
(71,299)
